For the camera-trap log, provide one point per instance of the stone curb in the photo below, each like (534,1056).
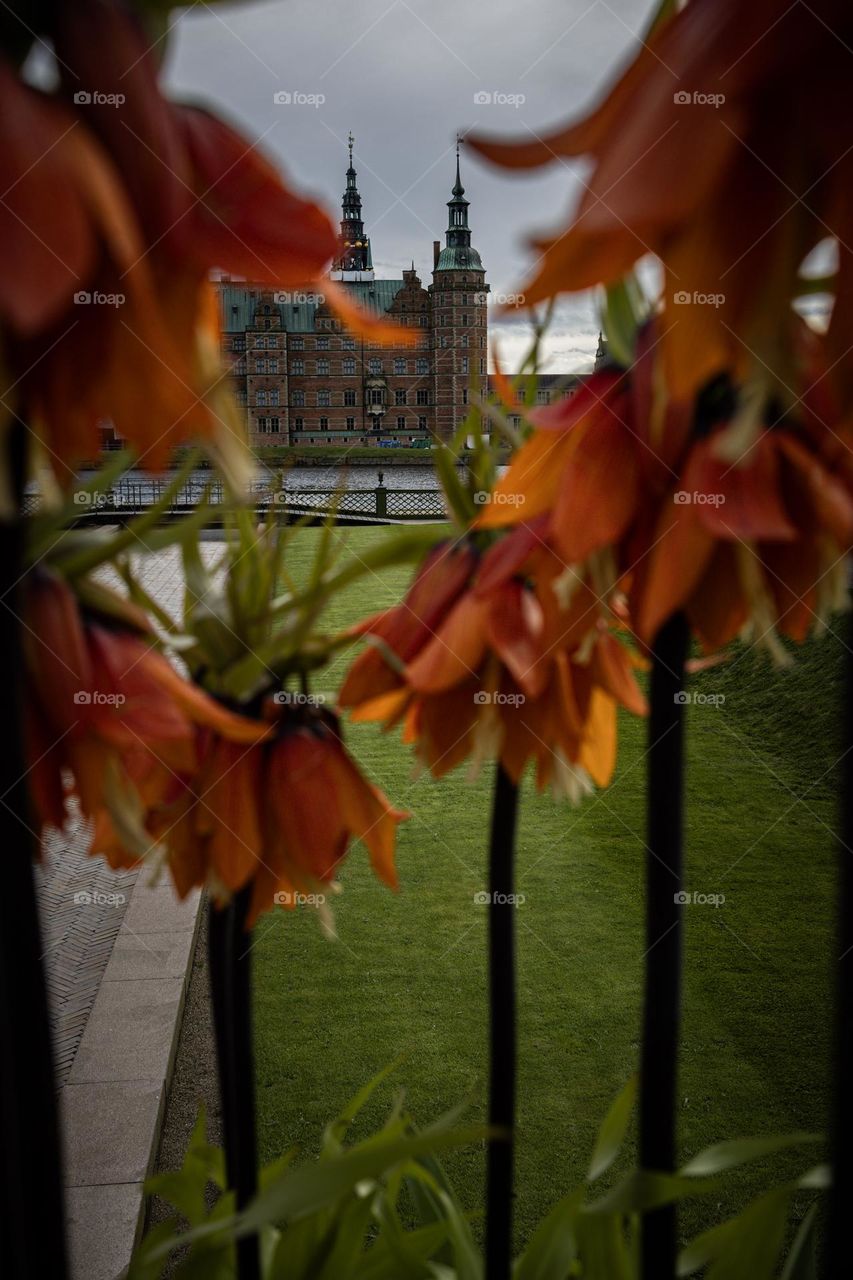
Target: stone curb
(113,1103)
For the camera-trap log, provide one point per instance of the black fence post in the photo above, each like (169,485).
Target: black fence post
(502,1028)
(838,1253)
(229,949)
(662,996)
(32,1220)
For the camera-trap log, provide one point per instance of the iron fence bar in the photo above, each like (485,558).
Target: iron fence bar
(32,1219)
(502,1028)
(229,949)
(837,1254)
(662,994)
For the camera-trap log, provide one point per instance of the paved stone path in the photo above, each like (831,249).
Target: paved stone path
(116,954)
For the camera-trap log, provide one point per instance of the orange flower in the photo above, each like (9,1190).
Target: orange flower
(482,659)
(279,814)
(109,720)
(652,501)
(129,200)
(725,149)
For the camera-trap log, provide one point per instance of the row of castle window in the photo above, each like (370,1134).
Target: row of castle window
(322,368)
(298,424)
(374,395)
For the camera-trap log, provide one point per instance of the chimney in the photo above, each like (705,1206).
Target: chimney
(436,250)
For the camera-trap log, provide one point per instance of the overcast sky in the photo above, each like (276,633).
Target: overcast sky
(403,75)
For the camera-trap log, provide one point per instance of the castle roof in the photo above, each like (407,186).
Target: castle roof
(241,301)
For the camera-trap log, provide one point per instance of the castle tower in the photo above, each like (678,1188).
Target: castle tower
(459,320)
(355,261)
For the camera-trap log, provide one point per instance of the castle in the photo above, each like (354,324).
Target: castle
(303,379)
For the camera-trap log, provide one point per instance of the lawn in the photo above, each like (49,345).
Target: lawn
(408,972)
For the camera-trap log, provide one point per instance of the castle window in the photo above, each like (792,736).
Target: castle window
(374,365)
(298,399)
(482,364)
(272,340)
(260,340)
(466,319)
(349,396)
(274,397)
(297,344)
(261,399)
(375,395)
(262,425)
(239,343)
(465,299)
(401,423)
(323,368)
(348,344)
(350,424)
(348,366)
(274,425)
(463,341)
(423,395)
(464,395)
(399,366)
(272,365)
(267,310)
(422,423)
(241,395)
(322,344)
(464,364)
(423,321)
(422,365)
(543,397)
(324,424)
(297,424)
(400,395)
(297,366)
(324,398)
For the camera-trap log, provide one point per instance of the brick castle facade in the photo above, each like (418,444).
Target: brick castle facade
(303,379)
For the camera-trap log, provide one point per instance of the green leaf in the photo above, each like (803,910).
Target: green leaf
(336,1129)
(643,1189)
(746,1247)
(554,1244)
(459,500)
(801,1263)
(611,1135)
(602,1248)
(728,1155)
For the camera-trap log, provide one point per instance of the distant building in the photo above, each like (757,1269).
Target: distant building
(303,379)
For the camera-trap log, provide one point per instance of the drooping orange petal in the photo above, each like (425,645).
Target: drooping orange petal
(515,627)
(598,491)
(455,651)
(741,500)
(681,548)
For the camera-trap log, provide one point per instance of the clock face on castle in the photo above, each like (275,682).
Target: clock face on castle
(301,378)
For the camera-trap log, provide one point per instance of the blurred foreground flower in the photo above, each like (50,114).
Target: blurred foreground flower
(726,149)
(647,495)
(487,658)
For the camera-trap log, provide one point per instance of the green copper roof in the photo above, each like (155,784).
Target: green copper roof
(459,257)
(240,301)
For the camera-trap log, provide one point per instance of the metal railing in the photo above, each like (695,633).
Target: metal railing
(129,498)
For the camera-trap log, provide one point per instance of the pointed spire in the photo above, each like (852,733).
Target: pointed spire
(458,189)
(355,252)
(350,143)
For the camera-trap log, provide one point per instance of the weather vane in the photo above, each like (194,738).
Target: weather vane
(350,140)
